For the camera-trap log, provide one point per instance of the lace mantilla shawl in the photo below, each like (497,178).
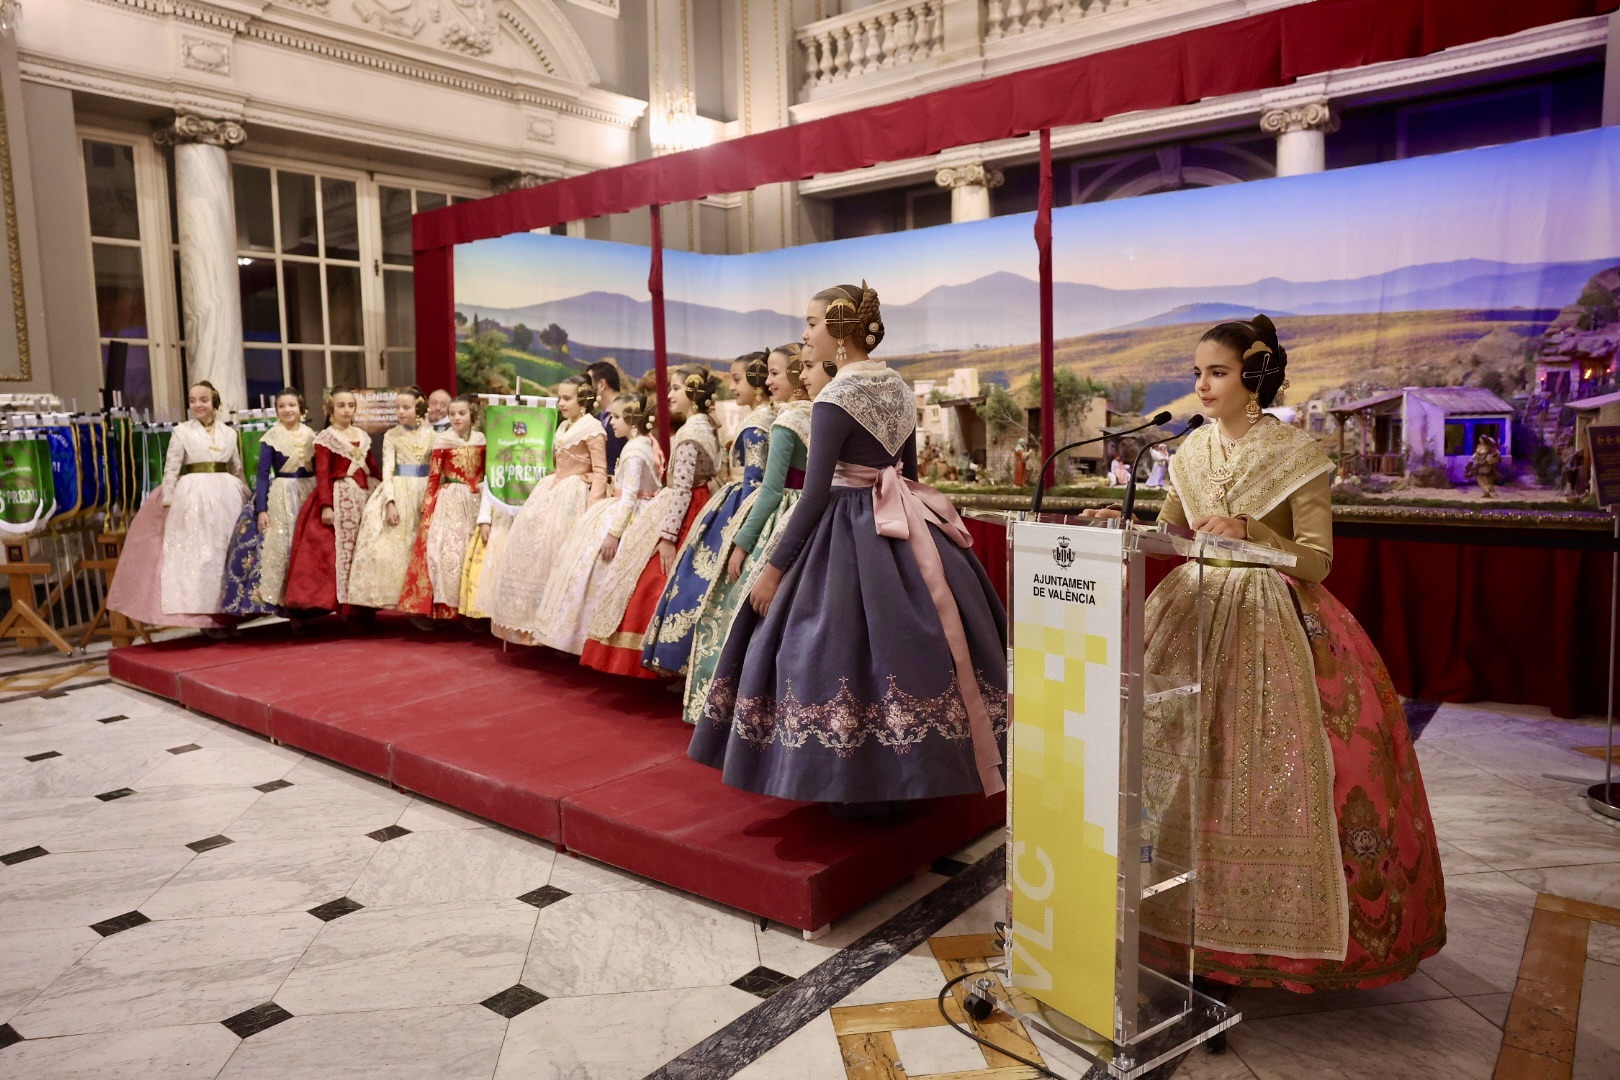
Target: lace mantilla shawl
(448,439)
(795,416)
(342,447)
(762,418)
(1270,463)
(297,446)
(699,429)
(878,399)
(576,431)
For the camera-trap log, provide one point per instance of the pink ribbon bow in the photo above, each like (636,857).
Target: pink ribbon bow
(903,509)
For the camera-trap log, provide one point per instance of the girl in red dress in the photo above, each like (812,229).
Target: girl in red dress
(449,516)
(329,521)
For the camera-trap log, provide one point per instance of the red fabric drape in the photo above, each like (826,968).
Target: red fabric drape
(1265,50)
(655,286)
(1043,250)
(435,288)
(1450,618)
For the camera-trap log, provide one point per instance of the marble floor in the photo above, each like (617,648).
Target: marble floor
(181,899)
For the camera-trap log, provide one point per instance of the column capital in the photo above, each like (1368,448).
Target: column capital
(970,174)
(186,127)
(519,180)
(1311,116)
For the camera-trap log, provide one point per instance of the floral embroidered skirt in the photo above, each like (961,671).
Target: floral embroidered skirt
(1379,826)
(845,690)
(137,585)
(701,559)
(621,652)
(720,606)
(256,568)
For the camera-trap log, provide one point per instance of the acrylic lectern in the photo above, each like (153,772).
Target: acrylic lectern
(1102,854)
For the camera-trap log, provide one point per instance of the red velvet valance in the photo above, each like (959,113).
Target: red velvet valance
(1256,53)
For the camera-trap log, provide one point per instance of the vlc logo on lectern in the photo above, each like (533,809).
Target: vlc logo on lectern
(1063,554)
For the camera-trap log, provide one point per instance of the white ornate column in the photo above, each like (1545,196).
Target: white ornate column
(1302,132)
(208,275)
(970,186)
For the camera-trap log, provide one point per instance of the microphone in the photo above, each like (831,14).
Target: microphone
(1040,481)
(1193,421)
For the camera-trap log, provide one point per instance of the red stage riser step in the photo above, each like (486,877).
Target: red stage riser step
(529,740)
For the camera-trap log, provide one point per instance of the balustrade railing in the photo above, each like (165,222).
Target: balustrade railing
(872,39)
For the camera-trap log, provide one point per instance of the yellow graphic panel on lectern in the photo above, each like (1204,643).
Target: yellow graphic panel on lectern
(1064,772)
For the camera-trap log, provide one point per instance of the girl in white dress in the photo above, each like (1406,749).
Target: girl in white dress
(204,489)
(592,544)
(382,550)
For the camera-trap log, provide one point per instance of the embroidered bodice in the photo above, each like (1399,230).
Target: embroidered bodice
(283,454)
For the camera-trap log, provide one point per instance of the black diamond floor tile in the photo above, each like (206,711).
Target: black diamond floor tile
(209,843)
(393,832)
(512,1001)
(15,857)
(186,749)
(43,757)
(8,1035)
(256,1019)
(763,982)
(545,896)
(112,719)
(336,909)
(273,785)
(129,920)
(120,793)
(948,867)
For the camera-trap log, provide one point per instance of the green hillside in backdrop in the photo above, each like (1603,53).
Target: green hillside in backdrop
(1325,352)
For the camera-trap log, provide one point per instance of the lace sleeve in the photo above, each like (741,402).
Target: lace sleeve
(628,481)
(390,452)
(682,475)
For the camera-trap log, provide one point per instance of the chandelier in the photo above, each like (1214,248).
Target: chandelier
(677,126)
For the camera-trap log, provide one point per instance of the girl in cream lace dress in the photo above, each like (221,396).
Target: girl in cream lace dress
(256,570)
(593,543)
(382,550)
(517,579)
(449,515)
(626,597)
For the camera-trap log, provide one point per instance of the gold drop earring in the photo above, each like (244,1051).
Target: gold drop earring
(841,357)
(1251,411)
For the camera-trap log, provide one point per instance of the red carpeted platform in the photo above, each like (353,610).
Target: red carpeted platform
(530,740)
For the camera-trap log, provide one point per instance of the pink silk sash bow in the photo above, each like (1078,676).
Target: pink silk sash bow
(903,510)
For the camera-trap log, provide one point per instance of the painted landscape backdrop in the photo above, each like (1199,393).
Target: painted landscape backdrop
(1495,269)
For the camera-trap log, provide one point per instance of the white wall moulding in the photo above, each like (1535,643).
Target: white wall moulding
(610,8)
(1565,42)
(462,88)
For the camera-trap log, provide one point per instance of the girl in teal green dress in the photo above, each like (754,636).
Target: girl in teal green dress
(792,384)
